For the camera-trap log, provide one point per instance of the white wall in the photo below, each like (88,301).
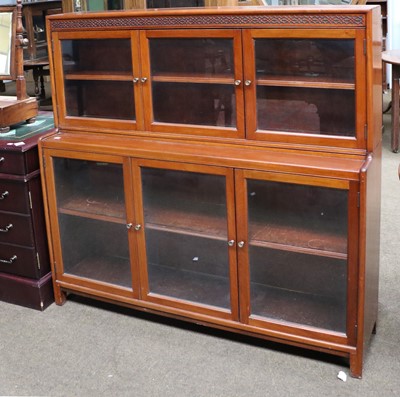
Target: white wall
(394,24)
(393,40)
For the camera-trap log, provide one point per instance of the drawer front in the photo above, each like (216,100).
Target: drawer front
(14,196)
(12,163)
(16,229)
(21,261)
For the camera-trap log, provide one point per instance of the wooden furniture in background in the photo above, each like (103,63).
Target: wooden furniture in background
(35,52)
(393,57)
(97,5)
(34,21)
(221,166)
(15,109)
(25,276)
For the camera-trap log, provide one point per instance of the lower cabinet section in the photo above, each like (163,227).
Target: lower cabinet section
(273,248)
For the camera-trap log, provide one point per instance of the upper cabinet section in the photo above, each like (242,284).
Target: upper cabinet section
(306,86)
(194,82)
(273,75)
(98,80)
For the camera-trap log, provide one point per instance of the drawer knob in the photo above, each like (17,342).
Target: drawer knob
(7,228)
(3,195)
(2,159)
(9,261)
(240,244)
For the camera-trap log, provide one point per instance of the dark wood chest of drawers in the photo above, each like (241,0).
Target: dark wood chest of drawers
(25,277)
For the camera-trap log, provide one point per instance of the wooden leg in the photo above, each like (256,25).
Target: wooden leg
(60,296)
(395,107)
(35,74)
(356,365)
(42,90)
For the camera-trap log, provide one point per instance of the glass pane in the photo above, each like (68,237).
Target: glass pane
(197,57)
(198,89)
(97,55)
(306,110)
(98,78)
(104,99)
(319,59)
(92,220)
(186,236)
(298,253)
(200,104)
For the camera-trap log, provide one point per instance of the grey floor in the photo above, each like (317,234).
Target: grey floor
(88,349)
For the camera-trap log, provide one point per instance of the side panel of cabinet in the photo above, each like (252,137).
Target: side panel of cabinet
(297,255)
(97,80)
(193,82)
(185,228)
(370,204)
(86,198)
(306,86)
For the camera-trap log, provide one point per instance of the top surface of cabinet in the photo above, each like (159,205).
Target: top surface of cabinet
(306,77)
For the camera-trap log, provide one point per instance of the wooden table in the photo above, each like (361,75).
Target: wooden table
(39,70)
(393,57)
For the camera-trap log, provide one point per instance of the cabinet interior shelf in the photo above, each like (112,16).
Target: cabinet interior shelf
(206,288)
(204,223)
(298,249)
(306,82)
(185,232)
(107,269)
(288,306)
(191,78)
(99,76)
(86,207)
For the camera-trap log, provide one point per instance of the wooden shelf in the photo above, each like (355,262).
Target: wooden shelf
(306,82)
(99,76)
(193,78)
(107,269)
(94,207)
(297,307)
(196,287)
(295,236)
(275,233)
(297,249)
(202,223)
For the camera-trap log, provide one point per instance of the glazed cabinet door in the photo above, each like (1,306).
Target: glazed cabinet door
(186,237)
(98,75)
(306,86)
(89,218)
(193,82)
(298,240)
